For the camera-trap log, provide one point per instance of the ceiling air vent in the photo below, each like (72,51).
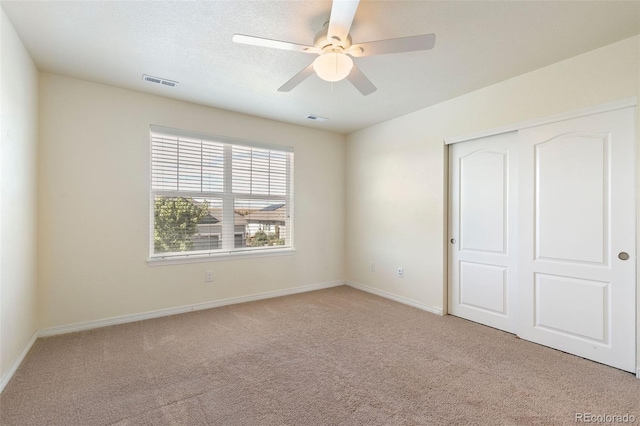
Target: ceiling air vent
(159,80)
(316,118)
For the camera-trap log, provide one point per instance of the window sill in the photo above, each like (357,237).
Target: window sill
(158,261)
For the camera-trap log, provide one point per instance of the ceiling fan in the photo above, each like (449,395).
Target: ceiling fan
(334,47)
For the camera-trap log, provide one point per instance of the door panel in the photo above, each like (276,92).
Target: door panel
(571,200)
(557,311)
(576,213)
(483,287)
(483,176)
(482,246)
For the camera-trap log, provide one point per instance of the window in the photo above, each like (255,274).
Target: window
(212,195)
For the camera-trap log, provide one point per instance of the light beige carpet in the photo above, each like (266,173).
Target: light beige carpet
(330,357)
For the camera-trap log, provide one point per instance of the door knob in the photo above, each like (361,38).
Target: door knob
(453,241)
(623,255)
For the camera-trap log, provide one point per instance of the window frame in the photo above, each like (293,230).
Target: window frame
(228,197)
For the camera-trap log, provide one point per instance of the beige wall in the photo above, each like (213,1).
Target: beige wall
(94,205)
(395,171)
(18,168)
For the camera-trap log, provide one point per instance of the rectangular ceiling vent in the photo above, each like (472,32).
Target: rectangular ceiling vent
(316,118)
(158,80)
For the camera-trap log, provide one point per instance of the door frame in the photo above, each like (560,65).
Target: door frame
(611,106)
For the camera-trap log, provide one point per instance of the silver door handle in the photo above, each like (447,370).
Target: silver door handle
(623,255)
(453,241)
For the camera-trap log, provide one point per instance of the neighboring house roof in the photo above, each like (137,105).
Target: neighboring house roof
(215,216)
(275,213)
(272,207)
(209,220)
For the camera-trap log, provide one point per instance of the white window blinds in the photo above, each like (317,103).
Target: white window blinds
(216,195)
(185,164)
(259,171)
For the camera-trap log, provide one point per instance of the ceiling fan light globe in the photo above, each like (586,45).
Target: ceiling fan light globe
(333,66)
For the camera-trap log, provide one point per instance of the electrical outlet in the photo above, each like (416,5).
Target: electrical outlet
(400,272)
(208,276)
(372,267)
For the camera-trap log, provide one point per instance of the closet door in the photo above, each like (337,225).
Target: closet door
(577,254)
(482,241)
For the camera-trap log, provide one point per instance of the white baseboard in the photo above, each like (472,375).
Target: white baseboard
(401,299)
(9,374)
(52,331)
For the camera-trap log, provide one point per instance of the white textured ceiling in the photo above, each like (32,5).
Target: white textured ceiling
(478,43)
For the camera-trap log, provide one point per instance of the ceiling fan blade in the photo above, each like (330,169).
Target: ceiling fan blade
(297,79)
(393,45)
(276,44)
(342,13)
(360,81)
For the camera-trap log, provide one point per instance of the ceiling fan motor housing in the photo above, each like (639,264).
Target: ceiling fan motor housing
(324,43)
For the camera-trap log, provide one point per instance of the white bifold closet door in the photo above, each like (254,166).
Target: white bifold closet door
(542,235)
